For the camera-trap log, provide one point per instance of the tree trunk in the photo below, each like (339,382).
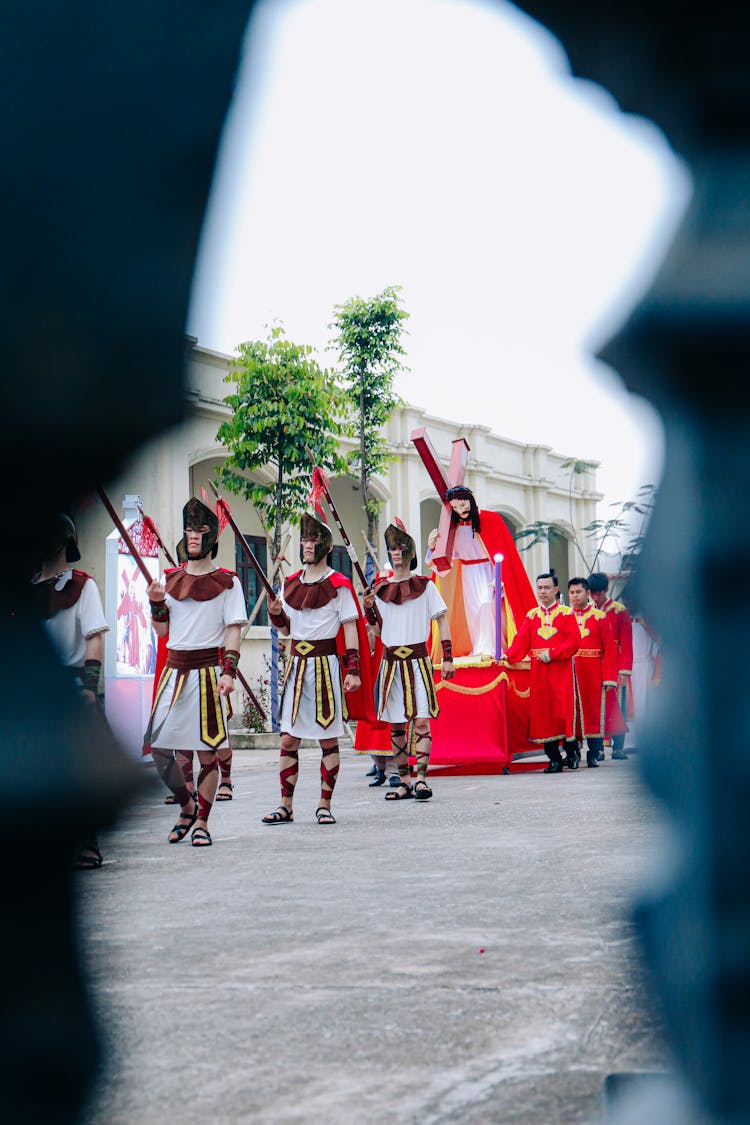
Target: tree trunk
(362,461)
(274,700)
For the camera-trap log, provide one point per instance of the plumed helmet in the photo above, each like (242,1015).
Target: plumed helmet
(64,534)
(196,516)
(396,536)
(314,526)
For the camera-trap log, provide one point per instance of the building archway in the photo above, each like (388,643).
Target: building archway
(429,517)
(559,558)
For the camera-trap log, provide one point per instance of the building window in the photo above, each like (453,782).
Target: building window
(251,587)
(340,561)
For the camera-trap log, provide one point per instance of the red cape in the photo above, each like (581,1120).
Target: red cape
(361,703)
(499,541)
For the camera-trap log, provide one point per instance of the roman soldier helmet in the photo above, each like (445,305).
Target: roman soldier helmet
(310,527)
(195,516)
(396,536)
(461,492)
(63,533)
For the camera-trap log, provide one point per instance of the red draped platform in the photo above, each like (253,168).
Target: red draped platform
(484,718)
(482,726)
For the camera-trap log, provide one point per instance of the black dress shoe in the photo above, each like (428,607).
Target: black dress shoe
(372,770)
(619,756)
(592,757)
(394,779)
(553,767)
(379,778)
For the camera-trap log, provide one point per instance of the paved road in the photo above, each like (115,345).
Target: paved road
(468,959)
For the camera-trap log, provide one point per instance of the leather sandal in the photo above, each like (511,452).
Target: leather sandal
(281,815)
(402,792)
(181,830)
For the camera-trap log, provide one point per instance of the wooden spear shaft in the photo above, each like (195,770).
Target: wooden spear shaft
(249,692)
(342,530)
(155,532)
(121,528)
(244,545)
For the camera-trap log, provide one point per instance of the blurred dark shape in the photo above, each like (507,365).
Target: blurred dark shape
(112,114)
(686,347)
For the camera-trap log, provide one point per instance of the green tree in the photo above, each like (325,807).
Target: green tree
(624,530)
(368,343)
(284,403)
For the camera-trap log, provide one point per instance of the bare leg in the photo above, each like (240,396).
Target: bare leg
(172,776)
(401,757)
(184,759)
(422,745)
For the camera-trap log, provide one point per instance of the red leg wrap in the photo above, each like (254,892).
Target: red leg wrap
(225,765)
(398,745)
(204,804)
(171,774)
(329,770)
(288,766)
(185,762)
(422,745)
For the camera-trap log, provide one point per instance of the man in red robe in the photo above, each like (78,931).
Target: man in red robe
(619,703)
(595,671)
(549,634)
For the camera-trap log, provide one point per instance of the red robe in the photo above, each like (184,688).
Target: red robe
(621,631)
(519,595)
(552,698)
(595,667)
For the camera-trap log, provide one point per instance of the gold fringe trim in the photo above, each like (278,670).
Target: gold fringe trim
(460,690)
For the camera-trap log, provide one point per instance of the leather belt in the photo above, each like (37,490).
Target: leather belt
(407,652)
(188,658)
(326,647)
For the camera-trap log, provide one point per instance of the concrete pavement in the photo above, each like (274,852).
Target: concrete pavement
(466,959)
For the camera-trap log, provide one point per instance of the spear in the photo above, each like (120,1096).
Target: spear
(121,528)
(155,532)
(319,481)
(244,544)
(249,693)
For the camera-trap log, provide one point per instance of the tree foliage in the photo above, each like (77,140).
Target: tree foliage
(369,348)
(284,403)
(623,531)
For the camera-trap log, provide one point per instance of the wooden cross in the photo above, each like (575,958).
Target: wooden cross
(443,551)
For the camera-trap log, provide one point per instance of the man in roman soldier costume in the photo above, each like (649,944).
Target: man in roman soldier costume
(201,608)
(595,672)
(70,606)
(620,702)
(406,606)
(469,586)
(549,634)
(319,610)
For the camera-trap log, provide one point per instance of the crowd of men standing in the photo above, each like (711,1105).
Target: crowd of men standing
(581,668)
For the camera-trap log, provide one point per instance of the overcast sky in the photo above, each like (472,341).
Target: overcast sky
(441,145)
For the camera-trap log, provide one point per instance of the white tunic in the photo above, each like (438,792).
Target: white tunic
(69,628)
(316,625)
(645,651)
(408,624)
(477,578)
(192,625)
